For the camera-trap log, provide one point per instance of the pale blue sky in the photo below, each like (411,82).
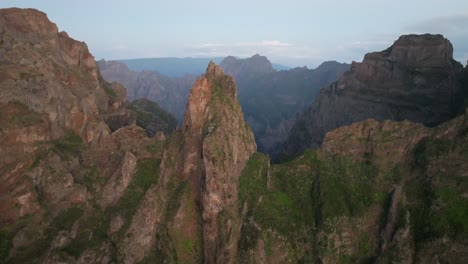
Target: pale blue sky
(292,32)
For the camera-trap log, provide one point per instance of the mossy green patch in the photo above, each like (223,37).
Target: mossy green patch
(429,149)
(70,145)
(253,180)
(92,234)
(147,174)
(5,244)
(174,200)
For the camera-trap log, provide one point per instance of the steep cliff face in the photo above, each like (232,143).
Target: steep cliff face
(50,89)
(169,92)
(376,192)
(416,79)
(27,38)
(193,210)
(68,186)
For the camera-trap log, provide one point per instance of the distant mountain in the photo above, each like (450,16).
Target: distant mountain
(280,67)
(415,79)
(173,67)
(270,99)
(245,70)
(169,92)
(178,67)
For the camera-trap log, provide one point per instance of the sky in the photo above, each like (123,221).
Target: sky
(292,32)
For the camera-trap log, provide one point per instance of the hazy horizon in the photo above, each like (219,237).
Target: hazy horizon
(296,33)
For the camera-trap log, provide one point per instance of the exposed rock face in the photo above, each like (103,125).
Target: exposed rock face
(152,118)
(397,192)
(28,37)
(169,92)
(191,215)
(375,192)
(415,79)
(59,161)
(270,99)
(49,84)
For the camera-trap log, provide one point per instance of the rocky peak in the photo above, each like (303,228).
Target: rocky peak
(29,23)
(213,71)
(214,127)
(415,79)
(422,51)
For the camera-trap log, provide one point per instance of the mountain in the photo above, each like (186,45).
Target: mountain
(74,191)
(169,92)
(172,67)
(375,192)
(415,79)
(177,67)
(271,98)
(243,70)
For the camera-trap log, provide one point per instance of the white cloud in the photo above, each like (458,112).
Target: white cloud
(275,50)
(453,25)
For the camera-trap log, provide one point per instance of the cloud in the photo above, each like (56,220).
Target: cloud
(275,50)
(453,25)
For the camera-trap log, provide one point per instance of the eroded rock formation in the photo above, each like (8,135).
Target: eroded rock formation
(416,79)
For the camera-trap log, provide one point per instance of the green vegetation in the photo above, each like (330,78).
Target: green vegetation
(453,214)
(147,112)
(364,244)
(109,91)
(146,175)
(437,206)
(305,193)
(70,145)
(174,200)
(429,149)
(253,181)
(63,221)
(5,244)
(93,232)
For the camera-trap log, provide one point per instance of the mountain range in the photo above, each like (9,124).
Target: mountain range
(415,79)
(177,67)
(270,98)
(82,182)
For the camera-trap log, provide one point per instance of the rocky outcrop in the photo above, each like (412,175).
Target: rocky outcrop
(27,38)
(375,192)
(193,211)
(415,79)
(270,99)
(61,169)
(169,92)
(152,118)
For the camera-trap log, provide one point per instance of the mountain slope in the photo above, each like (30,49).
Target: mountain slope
(170,93)
(376,192)
(415,79)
